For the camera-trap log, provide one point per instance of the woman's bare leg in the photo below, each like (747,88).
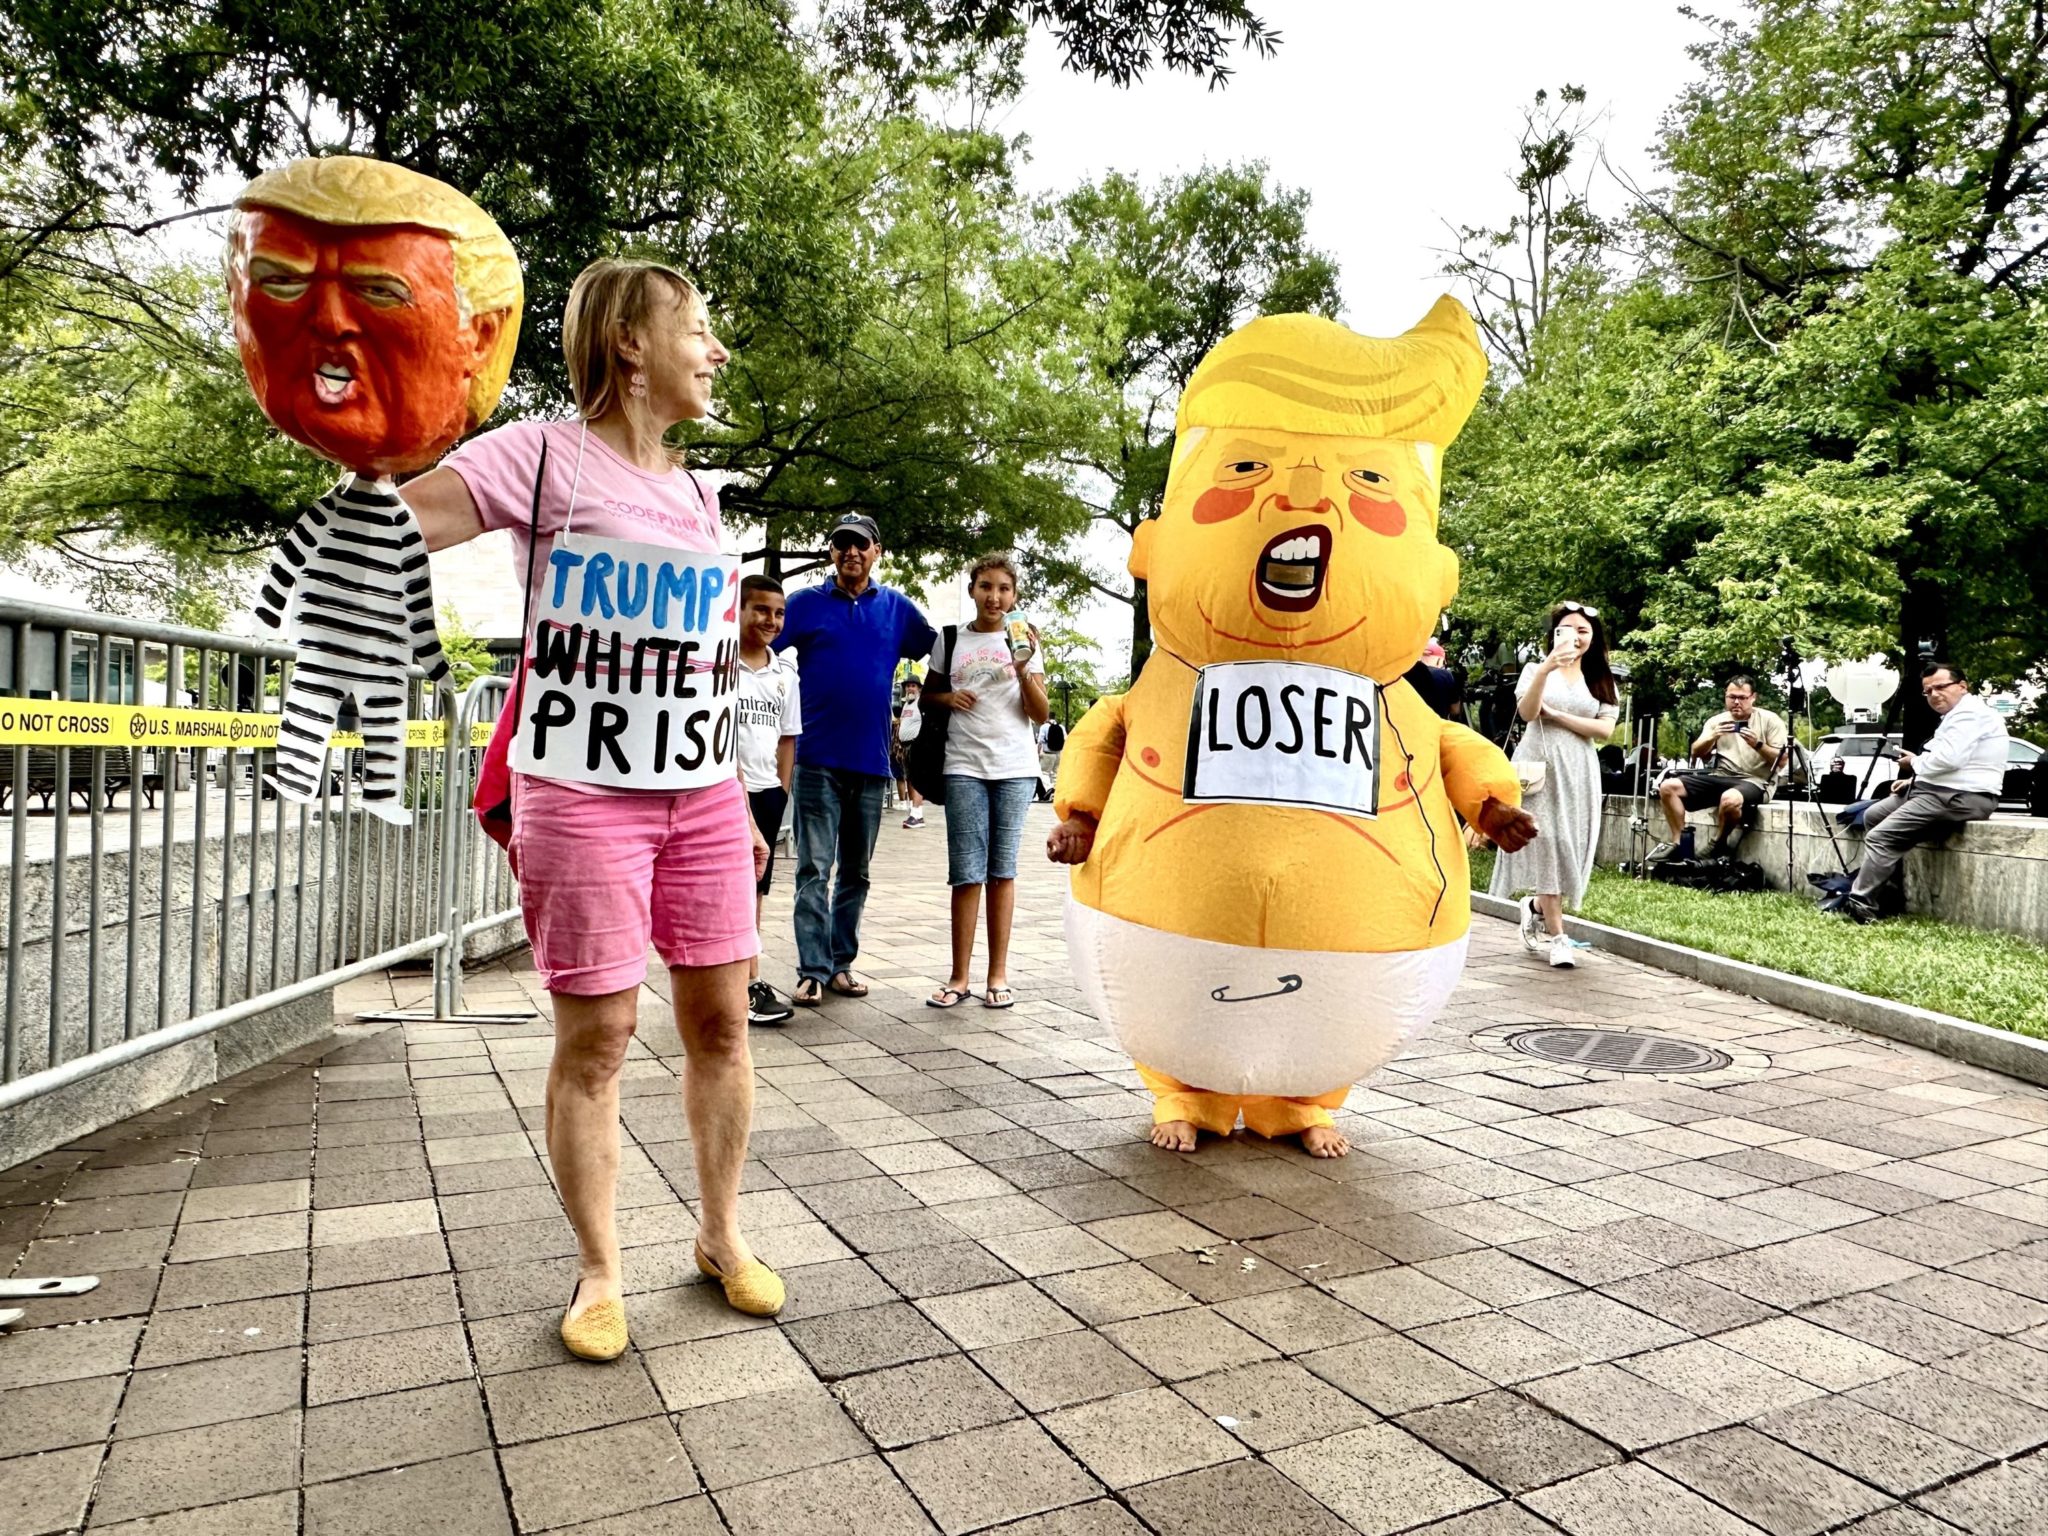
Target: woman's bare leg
(591,1037)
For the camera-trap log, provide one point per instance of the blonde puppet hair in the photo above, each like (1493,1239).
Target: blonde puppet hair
(1302,373)
(351,192)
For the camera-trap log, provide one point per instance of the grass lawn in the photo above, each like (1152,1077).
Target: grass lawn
(1993,978)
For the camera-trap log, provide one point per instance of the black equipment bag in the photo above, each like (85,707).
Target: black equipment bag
(924,760)
(1721,875)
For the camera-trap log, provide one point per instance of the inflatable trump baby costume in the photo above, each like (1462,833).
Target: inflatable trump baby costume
(376,311)
(1271,897)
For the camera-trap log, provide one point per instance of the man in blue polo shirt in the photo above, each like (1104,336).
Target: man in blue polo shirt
(848,634)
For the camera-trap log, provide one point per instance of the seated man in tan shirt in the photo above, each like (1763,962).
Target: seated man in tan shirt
(1742,745)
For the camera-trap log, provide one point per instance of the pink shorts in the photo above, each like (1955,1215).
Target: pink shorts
(600,875)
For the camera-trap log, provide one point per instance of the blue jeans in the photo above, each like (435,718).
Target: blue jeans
(838,814)
(984,824)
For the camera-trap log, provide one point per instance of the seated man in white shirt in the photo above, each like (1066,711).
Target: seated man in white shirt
(1955,778)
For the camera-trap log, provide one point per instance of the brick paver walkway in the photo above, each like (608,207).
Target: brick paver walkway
(1803,1293)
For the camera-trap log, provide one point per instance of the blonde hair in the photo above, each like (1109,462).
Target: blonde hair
(610,297)
(351,192)
(1303,373)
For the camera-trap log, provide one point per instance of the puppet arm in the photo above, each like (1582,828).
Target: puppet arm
(1089,762)
(273,594)
(1475,771)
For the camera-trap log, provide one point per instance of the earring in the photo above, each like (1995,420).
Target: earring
(639,385)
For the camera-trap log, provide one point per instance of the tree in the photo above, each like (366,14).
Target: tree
(1155,278)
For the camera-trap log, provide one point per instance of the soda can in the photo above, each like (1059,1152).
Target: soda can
(1019,633)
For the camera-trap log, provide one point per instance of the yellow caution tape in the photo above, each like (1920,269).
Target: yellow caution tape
(48,723)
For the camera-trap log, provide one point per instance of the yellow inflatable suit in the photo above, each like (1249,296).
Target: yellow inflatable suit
(1271,897)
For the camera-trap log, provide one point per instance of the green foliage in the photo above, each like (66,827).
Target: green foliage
(1992,978)
(1154,278)
(468,657)
(1804,392)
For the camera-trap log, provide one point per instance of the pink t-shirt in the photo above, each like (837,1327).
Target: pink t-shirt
(614,499)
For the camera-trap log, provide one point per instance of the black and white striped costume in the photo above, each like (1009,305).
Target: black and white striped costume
(351,590)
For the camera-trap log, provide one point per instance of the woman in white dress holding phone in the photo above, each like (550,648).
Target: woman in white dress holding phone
(1567,703)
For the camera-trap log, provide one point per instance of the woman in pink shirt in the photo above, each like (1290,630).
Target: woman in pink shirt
(604,871)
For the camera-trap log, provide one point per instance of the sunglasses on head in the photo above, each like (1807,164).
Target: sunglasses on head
(851,541)
(1586,608)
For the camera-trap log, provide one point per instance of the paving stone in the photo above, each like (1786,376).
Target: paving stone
(210,1392)
(597,1473)
(268,1514)
(1050,1250)
(1970,1302)
(1499,1348)
(1381,1479)
(1392,1376)
(1496,1278)
(1138,1437)
(1234,1496)
(768,1434)
(460,1496)
(2003,1501)
(2009,1366)
(59,1414)
(1964,1411)
(562,1399)
(371,1434)
(1180,1345)
(680,1517)
(1597,1326)
(191,1467)
(385,1362)
(1896,1327)
(1318,1253)
(1299,1319)
(1769,1484)
(218,1280)
(1000,1314)
(248,1200)
(209,1333)
(847,1498)
(847,1343)
(238,1237)
(1688,1302)
(1228,1272)
(1063,1369)
(1727,1384)
(716,1370)
(1114,1293)
(836,1286)
(47,1492)
(1812,1353)
(1626,1409)
(387,1259)
(930,1398)
(986,1476)
(1271,1404)
(390,1307)
(1509,1441)
(1102,1518)
(1630,1500)
(919,1272)
(1898,1457)
(1404,1297)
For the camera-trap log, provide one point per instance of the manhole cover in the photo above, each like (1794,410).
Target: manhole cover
(1613,1050)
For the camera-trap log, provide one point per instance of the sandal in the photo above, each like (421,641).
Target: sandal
(948,997)
(998,997)
(808,993)
(852,988)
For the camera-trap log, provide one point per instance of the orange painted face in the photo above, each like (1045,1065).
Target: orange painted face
(1277,545)
(353,338)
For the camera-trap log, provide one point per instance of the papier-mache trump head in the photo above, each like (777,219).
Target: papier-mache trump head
(1300,516)
(376,309)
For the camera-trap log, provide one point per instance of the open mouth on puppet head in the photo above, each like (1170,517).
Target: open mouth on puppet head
(1292,569)
(333,383)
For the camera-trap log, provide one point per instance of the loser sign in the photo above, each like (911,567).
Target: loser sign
(1284,733)
(633,670)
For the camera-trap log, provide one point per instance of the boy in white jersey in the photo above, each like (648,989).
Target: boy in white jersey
(771,717)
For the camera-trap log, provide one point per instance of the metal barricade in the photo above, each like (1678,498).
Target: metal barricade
(225,900)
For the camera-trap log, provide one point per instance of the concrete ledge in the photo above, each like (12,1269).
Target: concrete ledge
(1995,1050)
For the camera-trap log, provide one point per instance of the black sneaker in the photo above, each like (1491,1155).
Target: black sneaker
(764,1007)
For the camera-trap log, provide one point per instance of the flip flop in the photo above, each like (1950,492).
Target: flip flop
(948,997)
(989,999)
(851,989)
(807,994)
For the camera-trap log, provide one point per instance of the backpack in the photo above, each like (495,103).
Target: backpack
(924,758)
(1055,737)
(1723,875)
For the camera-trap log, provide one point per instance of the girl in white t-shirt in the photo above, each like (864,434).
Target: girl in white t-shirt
(997,695)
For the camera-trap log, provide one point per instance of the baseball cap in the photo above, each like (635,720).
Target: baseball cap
(860,523)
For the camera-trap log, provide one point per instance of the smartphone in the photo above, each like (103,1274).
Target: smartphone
(1565,636)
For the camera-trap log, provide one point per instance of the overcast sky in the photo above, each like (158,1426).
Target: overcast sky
(1394,118)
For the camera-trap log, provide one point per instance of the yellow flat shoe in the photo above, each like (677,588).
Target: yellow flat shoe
(596,1333)
(754,1288)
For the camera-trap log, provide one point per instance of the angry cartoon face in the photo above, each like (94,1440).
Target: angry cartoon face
(1300,515)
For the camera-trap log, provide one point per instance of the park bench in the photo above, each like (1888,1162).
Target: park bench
(41,778)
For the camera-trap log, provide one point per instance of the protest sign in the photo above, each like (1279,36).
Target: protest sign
(1284,733)
(634,666)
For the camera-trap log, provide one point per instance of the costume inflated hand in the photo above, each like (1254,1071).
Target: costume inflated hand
(376,311)
(1276,898)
